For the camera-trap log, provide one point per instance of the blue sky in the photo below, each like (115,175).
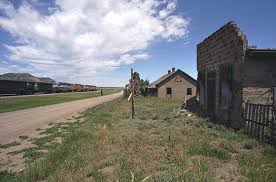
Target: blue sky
(166,41)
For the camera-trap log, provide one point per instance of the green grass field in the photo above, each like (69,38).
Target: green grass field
(18,103)
(160,144)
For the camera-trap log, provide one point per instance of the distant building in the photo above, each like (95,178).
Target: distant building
(230,73)
(176,84)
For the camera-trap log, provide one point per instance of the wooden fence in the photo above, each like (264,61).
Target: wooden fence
(260,121)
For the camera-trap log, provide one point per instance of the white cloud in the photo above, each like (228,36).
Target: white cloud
(84,37)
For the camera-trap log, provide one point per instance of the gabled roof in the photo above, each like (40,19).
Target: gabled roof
(167,77)
(162,78)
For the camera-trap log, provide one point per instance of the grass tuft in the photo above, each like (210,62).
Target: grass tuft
(5,146)
(207,150)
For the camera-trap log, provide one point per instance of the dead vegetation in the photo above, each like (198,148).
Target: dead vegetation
(160,144)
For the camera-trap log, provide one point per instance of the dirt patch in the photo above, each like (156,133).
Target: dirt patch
(227,172)
(12,158)
(111,173)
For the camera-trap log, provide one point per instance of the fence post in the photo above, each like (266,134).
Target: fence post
(273,126)
(132,91)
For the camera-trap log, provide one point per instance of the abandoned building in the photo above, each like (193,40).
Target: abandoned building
(230,73)
(176,84)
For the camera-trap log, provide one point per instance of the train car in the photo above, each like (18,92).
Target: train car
(23,87)
(76,87)
(61,87)
(43,87)
(16,87)
(87,88)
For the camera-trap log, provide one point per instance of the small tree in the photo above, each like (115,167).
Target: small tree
(137,85)
(144,84)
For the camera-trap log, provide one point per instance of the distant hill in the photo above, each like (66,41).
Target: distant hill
(47,80)
(25,77)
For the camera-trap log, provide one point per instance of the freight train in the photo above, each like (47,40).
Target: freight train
(24,88)
(71,87)
(11,87)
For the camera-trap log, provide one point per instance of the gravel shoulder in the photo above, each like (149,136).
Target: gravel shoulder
(24,122)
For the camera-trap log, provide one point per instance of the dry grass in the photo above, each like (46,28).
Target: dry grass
(158,145)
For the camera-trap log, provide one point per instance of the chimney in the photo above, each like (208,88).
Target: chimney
(173,69)
(169,71)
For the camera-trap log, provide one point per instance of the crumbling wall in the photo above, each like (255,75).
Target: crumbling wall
(226,46)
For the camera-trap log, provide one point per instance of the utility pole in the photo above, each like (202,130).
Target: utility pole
(132,93)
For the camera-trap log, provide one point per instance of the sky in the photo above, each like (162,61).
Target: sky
(97,42)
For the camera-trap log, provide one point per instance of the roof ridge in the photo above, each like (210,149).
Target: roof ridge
(166,76)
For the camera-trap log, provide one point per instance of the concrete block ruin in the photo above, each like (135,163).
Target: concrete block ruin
(230,73)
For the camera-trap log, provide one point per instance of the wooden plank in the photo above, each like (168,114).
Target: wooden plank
(249,117)
(267,120)
(245,113)
(267,115)
(264,121)
(259,121)
(256,120)
(261,126)
(273,126)
(253,119)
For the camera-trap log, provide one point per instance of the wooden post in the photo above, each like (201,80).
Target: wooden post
(132,91)
(274,96)
(273,125)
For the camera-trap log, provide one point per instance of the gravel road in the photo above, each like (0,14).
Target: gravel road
(23,122)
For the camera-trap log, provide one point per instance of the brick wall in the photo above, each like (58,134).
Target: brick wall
(227,45)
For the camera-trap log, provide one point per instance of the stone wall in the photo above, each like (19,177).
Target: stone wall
(179,89)
(226,46)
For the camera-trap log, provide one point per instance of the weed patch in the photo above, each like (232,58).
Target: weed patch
(4,146)
(209,151)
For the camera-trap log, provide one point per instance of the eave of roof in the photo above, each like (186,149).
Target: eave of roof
(159,80)
(261,52)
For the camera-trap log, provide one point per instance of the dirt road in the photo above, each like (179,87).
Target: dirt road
(23,122)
